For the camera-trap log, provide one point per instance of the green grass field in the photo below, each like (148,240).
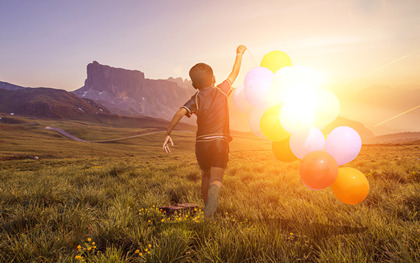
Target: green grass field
(85,202)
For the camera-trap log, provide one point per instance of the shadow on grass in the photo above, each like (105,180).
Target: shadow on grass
(314,230)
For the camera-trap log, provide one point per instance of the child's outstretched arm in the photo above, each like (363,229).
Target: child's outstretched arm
(177,117)
(237,65)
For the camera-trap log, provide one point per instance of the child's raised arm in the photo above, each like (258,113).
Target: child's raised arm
(237,65)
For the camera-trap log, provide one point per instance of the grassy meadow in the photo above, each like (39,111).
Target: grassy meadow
(97,202)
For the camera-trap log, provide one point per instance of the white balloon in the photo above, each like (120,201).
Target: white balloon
(296,117)
(302,143)
(299,79)
(240,101)
(254,121)
(280,85)
(327,108)
(257,84)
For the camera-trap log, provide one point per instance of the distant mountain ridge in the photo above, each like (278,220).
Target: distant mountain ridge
(402,137)
(46,103)
(377,103)
(129,93)
(9,86)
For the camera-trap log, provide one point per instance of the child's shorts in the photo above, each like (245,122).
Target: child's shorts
(212,154)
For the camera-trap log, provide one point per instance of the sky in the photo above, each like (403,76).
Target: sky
(353,44)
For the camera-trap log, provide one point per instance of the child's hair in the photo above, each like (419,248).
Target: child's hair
(201,75)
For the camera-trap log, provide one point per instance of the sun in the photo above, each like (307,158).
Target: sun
(305,103)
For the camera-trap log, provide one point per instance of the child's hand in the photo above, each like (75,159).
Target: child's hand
(241,49)
(165,144)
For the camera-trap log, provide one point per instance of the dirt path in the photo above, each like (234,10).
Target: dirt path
(68,135)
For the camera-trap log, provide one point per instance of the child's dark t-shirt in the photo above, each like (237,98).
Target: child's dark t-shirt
(211,107)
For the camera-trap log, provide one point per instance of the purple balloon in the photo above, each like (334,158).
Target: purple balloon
(257,84)
(344,144)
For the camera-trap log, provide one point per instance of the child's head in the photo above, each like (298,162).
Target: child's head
(202,76)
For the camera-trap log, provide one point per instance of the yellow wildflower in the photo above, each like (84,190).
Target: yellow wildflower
(146,249)
(93,243)
(140,254)
(137,251)
(163,220)
(79,247)
(291,233)
(150,245)
(89,239)
(78,257)
(89,248)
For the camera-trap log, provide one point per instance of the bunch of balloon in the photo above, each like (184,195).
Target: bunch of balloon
(287,105)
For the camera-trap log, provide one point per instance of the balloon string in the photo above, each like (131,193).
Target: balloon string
(253,58)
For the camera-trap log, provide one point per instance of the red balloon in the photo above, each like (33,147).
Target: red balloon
(318,170)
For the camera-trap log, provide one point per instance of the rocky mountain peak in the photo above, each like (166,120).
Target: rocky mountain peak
(106,78)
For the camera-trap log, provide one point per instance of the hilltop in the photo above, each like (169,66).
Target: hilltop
(46,103)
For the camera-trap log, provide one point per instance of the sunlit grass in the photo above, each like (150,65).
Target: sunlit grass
(100,203)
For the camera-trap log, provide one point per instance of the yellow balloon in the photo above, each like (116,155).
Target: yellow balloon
(270,124)
(275,60)
(351,186)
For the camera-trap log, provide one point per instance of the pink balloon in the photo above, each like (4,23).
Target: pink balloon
(240,101)
(257,85)
(305,142)
(344,144)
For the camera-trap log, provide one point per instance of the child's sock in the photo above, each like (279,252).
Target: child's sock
(212,199)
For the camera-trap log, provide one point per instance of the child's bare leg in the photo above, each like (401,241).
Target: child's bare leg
(216,176)
(205,183)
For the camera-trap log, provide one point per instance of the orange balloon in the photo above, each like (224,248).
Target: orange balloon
(351,186)
(318,170)
(281,150)
(270,124)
